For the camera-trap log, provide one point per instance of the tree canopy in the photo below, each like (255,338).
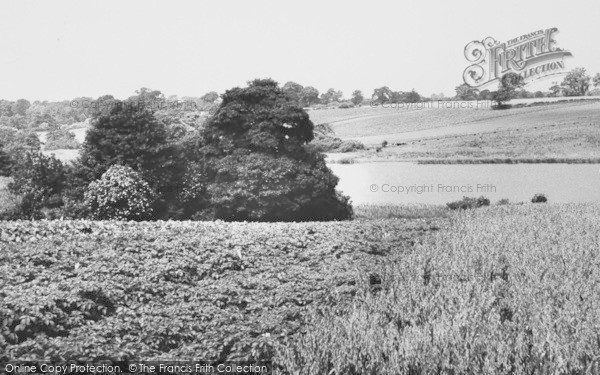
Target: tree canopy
(256,166)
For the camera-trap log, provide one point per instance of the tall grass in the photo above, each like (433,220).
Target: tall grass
(505,290)
(405,211)
(512,161)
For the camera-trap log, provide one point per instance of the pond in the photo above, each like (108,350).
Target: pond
(402,182)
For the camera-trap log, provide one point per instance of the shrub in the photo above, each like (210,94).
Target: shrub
(120,194)
(539,198)
(469,203)
(350,146)
(327,143)
(503,202)
(345,105)
(384,144)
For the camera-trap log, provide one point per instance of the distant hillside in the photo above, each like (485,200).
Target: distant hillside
(373,125)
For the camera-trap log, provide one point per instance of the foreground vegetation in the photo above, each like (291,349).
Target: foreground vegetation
(175,290)
(506,290)
(249,161)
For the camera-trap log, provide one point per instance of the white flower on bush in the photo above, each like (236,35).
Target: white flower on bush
(120,194)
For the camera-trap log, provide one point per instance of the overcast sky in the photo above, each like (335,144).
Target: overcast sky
(56,50)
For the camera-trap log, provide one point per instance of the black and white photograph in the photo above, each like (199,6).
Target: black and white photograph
(290,188)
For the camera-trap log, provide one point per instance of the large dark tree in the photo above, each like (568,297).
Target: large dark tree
(293,90)
(255,164)
(309,96)
(382,95)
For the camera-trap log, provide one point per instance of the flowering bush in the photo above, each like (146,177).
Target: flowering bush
(120,194)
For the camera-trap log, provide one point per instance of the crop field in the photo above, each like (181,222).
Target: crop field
(231,291)
(570,141)
(505,289)
(374,125)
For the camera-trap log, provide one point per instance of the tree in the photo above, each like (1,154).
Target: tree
(18,144)
(331,96)
(293,90)
(357,97)
(147,97)
(555,89)
(382,95)
(466,92)
(507,89)
(39,180)
(210,97)
(5,162)
(130,135)
(6,108)
(485,95)
(576,83)
(412,97)
(255,163)
(309,96)
(597,80)
(20,107)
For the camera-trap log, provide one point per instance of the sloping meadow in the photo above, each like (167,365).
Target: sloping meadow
(504,290)
(179,290)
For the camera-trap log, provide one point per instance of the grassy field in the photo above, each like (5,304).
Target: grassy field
(573,140)
(504,289)
(540,133)
(406,211)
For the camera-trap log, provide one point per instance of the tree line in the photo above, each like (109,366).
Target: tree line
(576,83)
(248,161)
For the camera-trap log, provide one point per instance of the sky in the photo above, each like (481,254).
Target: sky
(59,50)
